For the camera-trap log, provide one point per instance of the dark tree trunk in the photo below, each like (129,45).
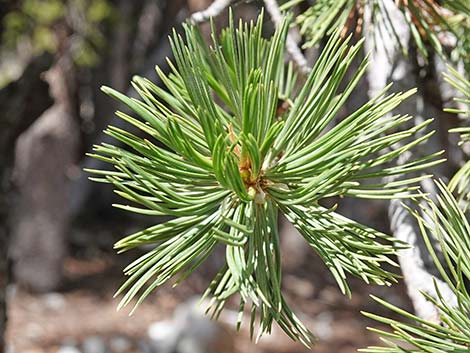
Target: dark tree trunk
(116,71)
(44,161)
(22,102)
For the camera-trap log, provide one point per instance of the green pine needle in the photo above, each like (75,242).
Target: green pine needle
(428,20)
(448,223)
(460,182)
(243,139)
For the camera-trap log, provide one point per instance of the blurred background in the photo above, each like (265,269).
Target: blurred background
(58,228)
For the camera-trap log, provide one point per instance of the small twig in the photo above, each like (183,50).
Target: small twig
(416,275)
(291,44)
(213,10)
(217,6)
(415,263)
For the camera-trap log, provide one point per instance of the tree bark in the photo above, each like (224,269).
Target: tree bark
(22,102)
(44,160)
(388,64)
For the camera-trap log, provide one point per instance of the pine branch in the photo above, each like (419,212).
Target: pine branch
(460,183)
(445,325)
(415,265)
(450,330)
(291,45)
(416,275)
(429,22)
(245,138)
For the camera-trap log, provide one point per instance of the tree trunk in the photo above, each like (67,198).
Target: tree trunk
(22,102)
(44,161)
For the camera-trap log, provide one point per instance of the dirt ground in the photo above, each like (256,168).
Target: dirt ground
(85,307)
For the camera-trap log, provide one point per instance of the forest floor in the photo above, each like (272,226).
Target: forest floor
(84,310)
